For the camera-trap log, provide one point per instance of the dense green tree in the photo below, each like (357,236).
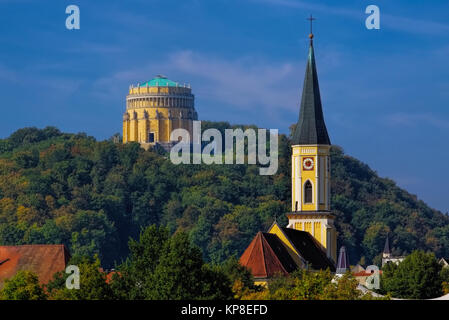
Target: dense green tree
(374,239)
(11,234)
(23,286)
(163,267)
(416,277)
(92,233)
(345,288)
(182,274)
(444,274)
(137,272)
(93,285)
(240,277)
(27,159)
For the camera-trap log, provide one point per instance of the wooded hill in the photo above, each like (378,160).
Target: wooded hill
(94,195)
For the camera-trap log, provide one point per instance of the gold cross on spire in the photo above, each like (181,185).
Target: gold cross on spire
(311,18)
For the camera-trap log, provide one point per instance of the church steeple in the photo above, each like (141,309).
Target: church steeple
(343,261)
(311,179)
(311,128)
(387,253)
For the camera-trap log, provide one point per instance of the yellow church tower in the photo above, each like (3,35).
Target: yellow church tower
(154,109)
(311,210)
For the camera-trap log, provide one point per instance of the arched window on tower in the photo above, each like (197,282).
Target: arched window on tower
(308,192)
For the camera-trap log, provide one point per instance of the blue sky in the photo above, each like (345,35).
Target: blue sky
(385,92)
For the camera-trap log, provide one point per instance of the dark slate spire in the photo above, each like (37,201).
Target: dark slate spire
(343,261)
(311,128)
(387,245)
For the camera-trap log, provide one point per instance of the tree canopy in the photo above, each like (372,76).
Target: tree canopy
(23,286)
(418,276)
(93,196)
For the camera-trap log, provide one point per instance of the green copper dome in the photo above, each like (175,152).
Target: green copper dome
(160,81)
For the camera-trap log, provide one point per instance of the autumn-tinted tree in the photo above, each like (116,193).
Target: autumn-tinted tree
(93,196)
(240,277)
(93,285)
(343,288)
(23,286)
(310,285)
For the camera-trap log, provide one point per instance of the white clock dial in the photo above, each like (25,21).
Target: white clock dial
(308,163)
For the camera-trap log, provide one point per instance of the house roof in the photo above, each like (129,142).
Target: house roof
(364,273)
(267,256)
(309,249)
(43,260)
(357,268)
(311,128)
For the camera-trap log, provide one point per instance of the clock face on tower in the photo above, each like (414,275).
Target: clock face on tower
(307,163)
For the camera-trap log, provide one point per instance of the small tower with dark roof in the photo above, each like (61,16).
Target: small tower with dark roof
(310,128)
(387,252)
(387,256)
(343,261)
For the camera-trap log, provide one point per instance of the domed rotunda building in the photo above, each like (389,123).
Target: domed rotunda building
(154,109)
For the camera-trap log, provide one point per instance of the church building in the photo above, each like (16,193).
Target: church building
(154,109)
(310,238)
(311,166)
(387,256)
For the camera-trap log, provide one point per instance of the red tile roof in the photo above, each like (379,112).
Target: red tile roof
(364,273)
(110,275)
(266,256)
(43,260)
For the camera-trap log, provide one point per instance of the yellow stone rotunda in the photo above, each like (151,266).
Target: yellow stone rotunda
(154,109)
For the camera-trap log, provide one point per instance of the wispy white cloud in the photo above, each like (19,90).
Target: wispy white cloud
(395,22)
(417,119)
(412,25)
(241,82)
(245,82)
(7,74)
(63,86)
(95,47)
(313,7)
